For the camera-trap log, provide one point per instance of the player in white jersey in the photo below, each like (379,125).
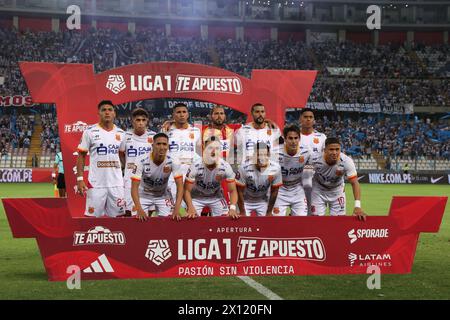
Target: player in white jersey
(203,183)
(136,146)
(331,168)
(257,131)
(149,182)
(254,179)
(313,140)
(293,159)
(105,182)
(184,141)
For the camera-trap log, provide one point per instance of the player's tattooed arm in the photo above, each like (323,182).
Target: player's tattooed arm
(357,211)
(191,212)
(140,213)
(81,185)
(272,199)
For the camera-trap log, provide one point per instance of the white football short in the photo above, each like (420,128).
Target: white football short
(259,207)
(218,206)
(321,198)
(294,199)
(163,205)
(105,202)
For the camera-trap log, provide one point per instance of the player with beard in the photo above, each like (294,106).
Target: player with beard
(259,130)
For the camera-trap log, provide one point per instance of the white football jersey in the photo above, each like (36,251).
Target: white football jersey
(182,143)
(104,161)
(207,183)
(247,138)
(258,183)
(292,167)
(154,178)
(135,148)
(314,141)
(332,177)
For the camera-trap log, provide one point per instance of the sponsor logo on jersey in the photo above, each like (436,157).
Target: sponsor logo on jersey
(98,235)
(108,164)
(103,150)
(339,173)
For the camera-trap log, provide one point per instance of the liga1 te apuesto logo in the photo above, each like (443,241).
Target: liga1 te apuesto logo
(181,84)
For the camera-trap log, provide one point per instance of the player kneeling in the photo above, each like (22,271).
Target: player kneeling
(328,182)
(254,179)
(202,187)
(149,182)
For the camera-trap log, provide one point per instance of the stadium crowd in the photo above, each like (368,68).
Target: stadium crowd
(389,76)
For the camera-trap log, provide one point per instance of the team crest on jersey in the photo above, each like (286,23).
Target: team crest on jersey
(166,169)
(270,178)
(339,173)
(150,139)
(301,159)
(219,177)
(316,140)
(191,136)
(117,137)
(269,132)
(91,210)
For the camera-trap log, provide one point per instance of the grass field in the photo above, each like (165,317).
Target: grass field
(22,275)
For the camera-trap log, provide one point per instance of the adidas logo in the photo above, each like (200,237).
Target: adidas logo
(99,266)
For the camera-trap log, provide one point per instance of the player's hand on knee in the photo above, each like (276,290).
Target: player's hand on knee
(81,188)
(141,215)
(176,215)
(233,214)
(360,214)
(269,214)
(191,214)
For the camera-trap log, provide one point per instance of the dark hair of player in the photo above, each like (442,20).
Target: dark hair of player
(160,135)
(262,146)
(306,110)
(139,112)
(179,105)
(256,105)
(289,128)
(332,140)
(105,102)
(217,106)
(210,140)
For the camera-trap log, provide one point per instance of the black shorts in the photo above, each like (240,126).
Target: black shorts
(60,182)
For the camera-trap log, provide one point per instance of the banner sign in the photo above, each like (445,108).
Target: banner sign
(25,175)
(403,178)
(360,107)
(76,91)
(218,246)
(16,101)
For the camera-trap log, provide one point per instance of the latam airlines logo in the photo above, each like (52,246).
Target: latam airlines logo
(365,260)
(158,251)
(98,235)
(78,126)
(116,83)
(281,248)
(354,235)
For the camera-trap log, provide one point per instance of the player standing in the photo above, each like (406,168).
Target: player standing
(293,159)
(203,183)
(149,182)
(105,194)
(136,145)
(184,140)
(328,182)
(313,140)
(255,179)
(58,174)
(249,135)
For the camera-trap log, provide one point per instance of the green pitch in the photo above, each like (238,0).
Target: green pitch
(22,275)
